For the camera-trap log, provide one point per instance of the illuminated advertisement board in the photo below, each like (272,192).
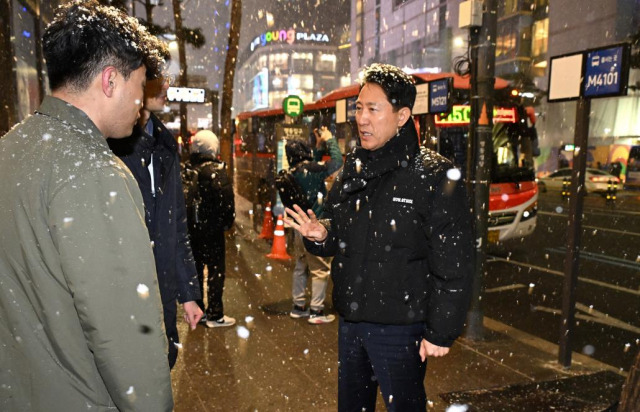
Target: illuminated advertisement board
(260,92)
(461,116)
(288,36)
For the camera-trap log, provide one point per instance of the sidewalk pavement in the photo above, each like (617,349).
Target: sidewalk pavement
(270,362)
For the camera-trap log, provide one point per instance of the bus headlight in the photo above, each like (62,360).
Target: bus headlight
(530,211)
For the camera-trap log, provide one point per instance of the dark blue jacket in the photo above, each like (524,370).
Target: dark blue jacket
(165,213)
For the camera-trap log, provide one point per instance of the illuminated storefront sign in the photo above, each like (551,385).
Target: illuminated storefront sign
(185,94)
(289,36)
(461,114)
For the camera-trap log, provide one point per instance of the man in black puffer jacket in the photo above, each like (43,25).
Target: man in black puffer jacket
(398,224)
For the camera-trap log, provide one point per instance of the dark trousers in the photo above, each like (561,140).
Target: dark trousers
(372,354)
(170,310)
(215,286)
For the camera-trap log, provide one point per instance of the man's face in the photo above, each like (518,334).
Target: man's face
(155,94)
(377,121)
(127,102)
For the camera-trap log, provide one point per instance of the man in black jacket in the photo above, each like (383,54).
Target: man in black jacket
(215,214)
(398,224)
(151,153)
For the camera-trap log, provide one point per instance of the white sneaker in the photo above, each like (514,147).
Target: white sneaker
(223,321)
(318,317)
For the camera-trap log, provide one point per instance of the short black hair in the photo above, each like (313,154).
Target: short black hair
(85,37)
(398,86)
(297,151)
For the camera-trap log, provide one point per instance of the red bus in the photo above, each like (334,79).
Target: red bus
(513,190)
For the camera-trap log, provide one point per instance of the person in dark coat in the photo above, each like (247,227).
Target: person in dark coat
(151,153)
(311,172)
(398,224)
(216,213)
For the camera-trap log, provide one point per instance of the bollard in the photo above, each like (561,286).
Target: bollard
(612,189)
(566,188)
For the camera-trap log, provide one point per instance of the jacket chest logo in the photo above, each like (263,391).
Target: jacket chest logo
(402,200)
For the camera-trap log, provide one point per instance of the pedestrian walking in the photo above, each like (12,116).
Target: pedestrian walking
(310,172)
(80,317)
(398,224)
(215,214)
(151,153)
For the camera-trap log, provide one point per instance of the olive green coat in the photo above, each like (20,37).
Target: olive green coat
(80,314)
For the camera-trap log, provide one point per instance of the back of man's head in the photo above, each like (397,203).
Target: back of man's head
(398,86)
(85,37)
(297,151)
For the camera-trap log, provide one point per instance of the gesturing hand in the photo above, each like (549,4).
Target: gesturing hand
(306,223)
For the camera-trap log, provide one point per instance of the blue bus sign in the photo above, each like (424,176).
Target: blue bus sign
(439,95)
(606,72)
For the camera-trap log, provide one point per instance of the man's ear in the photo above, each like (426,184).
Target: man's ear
(109,75)
(403,115)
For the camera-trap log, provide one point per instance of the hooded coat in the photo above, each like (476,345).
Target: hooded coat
(401,233)
(80,315)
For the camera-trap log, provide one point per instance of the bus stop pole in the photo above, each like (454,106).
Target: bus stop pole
(572,257)
(481,132)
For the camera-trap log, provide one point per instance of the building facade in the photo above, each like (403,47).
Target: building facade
(24,80)
(423,36)
(292,49)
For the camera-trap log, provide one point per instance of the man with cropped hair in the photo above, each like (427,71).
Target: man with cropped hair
(80,313)
(399,229)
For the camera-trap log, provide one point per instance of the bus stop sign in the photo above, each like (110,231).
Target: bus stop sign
(604,73)
(292,106)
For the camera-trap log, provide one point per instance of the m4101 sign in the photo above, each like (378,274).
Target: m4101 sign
(604,72)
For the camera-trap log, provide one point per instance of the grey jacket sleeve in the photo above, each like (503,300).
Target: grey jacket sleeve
(97,224)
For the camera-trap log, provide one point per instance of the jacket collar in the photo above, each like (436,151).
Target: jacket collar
(363,165)
(70,115)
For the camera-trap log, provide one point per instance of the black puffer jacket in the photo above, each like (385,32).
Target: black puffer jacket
(401,234)
(217,209)
(165,212)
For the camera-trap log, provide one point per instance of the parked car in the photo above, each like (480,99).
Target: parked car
(596,181)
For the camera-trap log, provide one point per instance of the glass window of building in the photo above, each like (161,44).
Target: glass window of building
(506,45)
(262,61)
(510,7)
(302,61)
(279,61)
(540,37)
(276,98)
(298,82)
(278,82)
(326,63)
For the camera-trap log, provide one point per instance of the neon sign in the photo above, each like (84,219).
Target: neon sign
(461,115)
(289,36)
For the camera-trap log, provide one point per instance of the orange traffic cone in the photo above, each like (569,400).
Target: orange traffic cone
(267,224)
(279,248)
